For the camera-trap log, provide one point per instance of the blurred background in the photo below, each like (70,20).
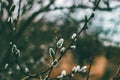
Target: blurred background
(41,21)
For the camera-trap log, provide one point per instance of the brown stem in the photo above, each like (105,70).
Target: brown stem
(90,65)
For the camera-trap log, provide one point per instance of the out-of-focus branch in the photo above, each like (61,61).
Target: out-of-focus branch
(116,76)
(31,18)
(87,19)
(85,7)
(47,9)
(90,65)
(18,14)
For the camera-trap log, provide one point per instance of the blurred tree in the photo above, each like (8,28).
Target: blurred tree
(36,27)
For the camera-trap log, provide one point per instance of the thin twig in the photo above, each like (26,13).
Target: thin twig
(18,13)
(89,69)
(12,35)
(117,74)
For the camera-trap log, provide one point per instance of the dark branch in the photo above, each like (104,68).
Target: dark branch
(31,18)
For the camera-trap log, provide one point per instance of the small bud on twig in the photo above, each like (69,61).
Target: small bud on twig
(92,15)
(86,18)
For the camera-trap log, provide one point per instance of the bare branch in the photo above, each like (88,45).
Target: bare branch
(116,76)
(31,18)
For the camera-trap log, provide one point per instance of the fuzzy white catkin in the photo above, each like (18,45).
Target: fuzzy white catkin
(62,49)
(74,69)
(10,19)
(14,48)
(6,65)
(52,52)
(18,52)
(26,70)
(10,43)
(60,43)
(83,69)
(60,76)
(72,75)
(63,73)
(72,47)
(17,67)
(77,68)
(73,36)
